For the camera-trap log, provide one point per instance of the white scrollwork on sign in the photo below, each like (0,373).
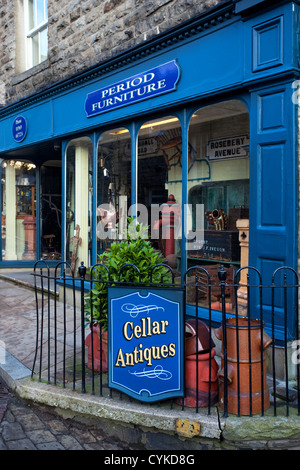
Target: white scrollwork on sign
(157,373)
(135,310)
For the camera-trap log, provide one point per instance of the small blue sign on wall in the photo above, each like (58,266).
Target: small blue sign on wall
(146,342)
(153,82)
(19,128)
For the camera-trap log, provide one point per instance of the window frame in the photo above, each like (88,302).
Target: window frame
(30,33)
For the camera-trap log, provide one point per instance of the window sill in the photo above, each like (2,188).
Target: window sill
(21,77)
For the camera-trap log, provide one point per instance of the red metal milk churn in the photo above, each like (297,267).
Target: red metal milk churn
(245,369)
(170,216)
(199,354)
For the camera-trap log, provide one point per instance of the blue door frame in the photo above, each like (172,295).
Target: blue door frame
(274,208)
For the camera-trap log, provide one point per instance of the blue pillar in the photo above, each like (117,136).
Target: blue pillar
(63,199)
(184,129)
(38,211)
(134,165)
(94,138)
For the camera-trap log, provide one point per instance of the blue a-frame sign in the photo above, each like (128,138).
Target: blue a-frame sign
(146,342)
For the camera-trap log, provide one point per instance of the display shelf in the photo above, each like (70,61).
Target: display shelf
(25,200)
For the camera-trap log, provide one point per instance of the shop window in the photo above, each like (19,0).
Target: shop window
(18,210)
(160,184)
(113,186)
(218,180)
(36,31)
(79,184)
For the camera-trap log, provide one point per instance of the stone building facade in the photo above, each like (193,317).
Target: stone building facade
(137,101)
(81,34)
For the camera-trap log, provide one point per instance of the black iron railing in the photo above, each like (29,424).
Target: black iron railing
(241,335)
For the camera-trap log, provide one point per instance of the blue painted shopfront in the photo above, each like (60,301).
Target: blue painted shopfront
(233,52)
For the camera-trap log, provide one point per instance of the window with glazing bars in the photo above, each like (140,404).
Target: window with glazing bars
(36,26)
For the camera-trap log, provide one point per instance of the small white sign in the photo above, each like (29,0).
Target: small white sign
(228,147)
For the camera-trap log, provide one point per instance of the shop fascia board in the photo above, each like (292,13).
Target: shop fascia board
(205,23)
(238,89)
(202,24)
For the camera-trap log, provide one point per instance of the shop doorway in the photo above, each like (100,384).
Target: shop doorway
(50,210)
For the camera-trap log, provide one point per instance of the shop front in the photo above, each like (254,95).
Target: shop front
(189,132)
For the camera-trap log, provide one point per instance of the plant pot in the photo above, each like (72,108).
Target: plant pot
(97,350)
(246,382)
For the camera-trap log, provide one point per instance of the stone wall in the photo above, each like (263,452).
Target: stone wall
(7,48)
(82,33)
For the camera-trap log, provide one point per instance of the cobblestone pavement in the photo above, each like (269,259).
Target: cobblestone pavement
(25,426)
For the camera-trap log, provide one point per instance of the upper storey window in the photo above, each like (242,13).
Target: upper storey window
(36,26)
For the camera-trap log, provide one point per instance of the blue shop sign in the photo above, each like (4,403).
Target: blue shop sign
(153,82)
(146,342)
(19,128)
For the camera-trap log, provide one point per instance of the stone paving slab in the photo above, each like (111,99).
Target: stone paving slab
(26,426)
(18,320)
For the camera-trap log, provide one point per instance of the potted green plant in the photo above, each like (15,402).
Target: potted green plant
(135,249)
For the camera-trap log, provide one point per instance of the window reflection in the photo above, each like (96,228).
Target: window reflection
(18,210)
(79,184)
(160,184)
(113,186)
(218,180)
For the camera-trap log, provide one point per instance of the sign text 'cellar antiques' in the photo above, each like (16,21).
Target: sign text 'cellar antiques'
(146,342)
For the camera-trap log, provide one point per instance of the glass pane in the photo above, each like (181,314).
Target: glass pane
(35,49)
(37,13)
(51,210)
(43,44)
(40,11)
(18,211)
(70,200)
(31,18)
(160,184)
(113,186)
(79,184)
(218,180)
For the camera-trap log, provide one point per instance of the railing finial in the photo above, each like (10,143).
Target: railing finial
(82,270)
